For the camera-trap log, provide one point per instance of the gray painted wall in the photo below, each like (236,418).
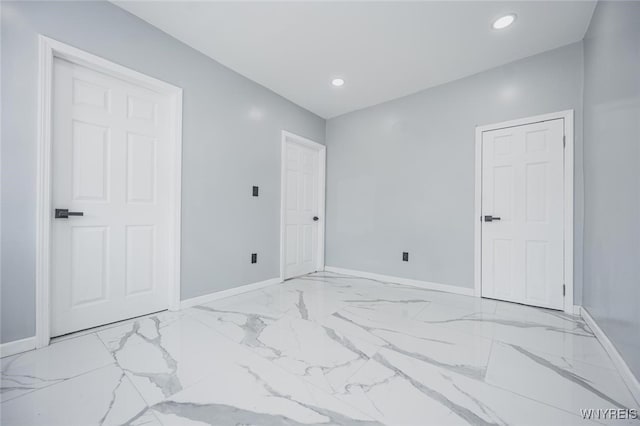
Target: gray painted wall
(401,174)
(231,137)
(612,175)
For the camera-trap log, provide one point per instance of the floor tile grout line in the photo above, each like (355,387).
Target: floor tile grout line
(494,340)
(493,337)
(126,372)
(427,304)
(115,360)
(504,389)
(532,399)
(127,378)
(483,380)
(149,406)
(114,363)
(438,326)
(528,397)
(138,391)
(417,361)
(619,373)
(61,381)
(305,380)
(486,371)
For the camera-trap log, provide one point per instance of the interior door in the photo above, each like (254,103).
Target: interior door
(523,214)
(110,229)
(301,210)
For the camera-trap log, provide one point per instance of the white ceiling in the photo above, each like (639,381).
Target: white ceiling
(382,50)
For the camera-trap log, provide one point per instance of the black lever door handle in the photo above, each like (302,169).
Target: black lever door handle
(65,213)
(490,218)
(315,218)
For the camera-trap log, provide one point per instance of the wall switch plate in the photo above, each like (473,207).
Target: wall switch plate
(405,256)
(255,191)
(254,257)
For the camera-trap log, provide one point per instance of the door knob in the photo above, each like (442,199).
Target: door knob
(315,218)
(65,213)
(490,218)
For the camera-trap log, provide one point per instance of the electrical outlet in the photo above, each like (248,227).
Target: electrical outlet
(254,257)
(405,256)
(255,191)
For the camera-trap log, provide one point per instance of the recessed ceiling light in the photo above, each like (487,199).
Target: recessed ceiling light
(337,82)
(504,21)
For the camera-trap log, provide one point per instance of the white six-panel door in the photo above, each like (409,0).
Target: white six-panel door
(301,186)
(110,161)
(523,186)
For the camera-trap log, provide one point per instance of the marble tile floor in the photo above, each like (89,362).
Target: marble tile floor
(322,349)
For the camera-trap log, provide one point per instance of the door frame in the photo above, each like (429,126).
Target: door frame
(50,49)
(567,116)
(322,164)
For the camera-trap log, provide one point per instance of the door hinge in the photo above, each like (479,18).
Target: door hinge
(564,141)
(564,290)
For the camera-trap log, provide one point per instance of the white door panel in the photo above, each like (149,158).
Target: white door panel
(110,160)
(522,184)
(302,179)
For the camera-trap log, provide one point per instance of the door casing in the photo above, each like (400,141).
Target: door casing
(48,50)
(288,137)
(567,117)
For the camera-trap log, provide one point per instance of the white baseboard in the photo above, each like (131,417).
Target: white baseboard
(406,281)
(630,380)
(17,346)
(187,303)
